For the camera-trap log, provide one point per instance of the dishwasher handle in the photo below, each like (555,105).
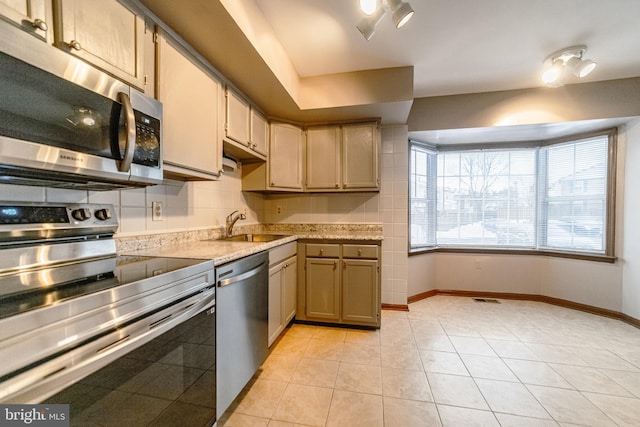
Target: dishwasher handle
(243,276)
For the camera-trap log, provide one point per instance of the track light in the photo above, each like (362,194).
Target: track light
(580,67)
(368,7)
(401,13)
(569,59)
(367,25)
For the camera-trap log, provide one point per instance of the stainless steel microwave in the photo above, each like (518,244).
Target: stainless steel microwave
(66,124)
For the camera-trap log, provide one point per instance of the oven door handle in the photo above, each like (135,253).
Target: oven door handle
(48,379)
(128,139)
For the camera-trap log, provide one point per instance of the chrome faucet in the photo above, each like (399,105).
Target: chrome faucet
(231,221)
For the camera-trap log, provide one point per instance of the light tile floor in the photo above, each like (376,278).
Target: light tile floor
(451,361)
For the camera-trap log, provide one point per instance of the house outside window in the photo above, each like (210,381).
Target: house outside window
(555,196)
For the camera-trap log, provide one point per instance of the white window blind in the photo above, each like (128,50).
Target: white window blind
(422,196)
(573,205)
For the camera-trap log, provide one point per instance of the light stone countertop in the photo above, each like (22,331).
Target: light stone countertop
(221,251)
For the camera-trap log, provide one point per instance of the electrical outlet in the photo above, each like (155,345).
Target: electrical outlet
(156,211)
(279,210)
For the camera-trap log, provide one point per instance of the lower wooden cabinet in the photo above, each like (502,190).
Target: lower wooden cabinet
(322,279)
(283,276)
(340,283)
(359,290)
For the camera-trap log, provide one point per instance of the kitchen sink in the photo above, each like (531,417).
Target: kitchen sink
(254,238)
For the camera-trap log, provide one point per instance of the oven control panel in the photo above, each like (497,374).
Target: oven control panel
(21,220)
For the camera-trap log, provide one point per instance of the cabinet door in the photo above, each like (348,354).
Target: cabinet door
(33,16)
(360,291)
(285,157)
(190,103)
(275,302)
(104,33)
(322,281)
(323,158)
(289,287)
(360,158)
(237,127)
(259,137)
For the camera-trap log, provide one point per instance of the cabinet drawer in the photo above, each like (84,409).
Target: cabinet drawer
(282,252)
(323,250)
(360,251)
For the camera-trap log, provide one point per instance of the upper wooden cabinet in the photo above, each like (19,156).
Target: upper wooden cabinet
(259,135)
(237,126)
(283,169)
(360,156)
(285,157)
(323,158)
(193,104)
(104,33)
(33,16)
(246,130)
(343,158)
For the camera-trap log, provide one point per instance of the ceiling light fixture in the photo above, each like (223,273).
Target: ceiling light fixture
(367,25)
(368,7)
(566,60)
(401,13)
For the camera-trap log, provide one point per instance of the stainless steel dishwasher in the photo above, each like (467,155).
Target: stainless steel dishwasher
(242,324)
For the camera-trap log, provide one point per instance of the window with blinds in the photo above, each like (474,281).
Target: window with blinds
(573,202)
(552,197)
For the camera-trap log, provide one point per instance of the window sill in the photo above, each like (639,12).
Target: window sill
(490,251)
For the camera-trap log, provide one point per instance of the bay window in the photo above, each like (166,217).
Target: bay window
(553,196)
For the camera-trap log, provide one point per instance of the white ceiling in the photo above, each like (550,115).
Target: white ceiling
(461,46)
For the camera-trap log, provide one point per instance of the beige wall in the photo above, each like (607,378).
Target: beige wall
(586,101)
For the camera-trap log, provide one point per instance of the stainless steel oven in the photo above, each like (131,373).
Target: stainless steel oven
(124,340)
(66,124)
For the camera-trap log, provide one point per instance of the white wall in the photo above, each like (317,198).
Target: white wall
(631,241)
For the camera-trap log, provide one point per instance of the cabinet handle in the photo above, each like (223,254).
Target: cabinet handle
(40,24)
(335,264)
(337,185)
(359,252)
(254,145)
(344,264)
(273,184)
(75,45)
(321,251)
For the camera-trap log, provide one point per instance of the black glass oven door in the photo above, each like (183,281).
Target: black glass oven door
(170,381)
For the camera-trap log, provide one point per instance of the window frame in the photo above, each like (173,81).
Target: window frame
(611,197)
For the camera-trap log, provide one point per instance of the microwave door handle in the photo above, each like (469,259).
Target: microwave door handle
(129,137)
